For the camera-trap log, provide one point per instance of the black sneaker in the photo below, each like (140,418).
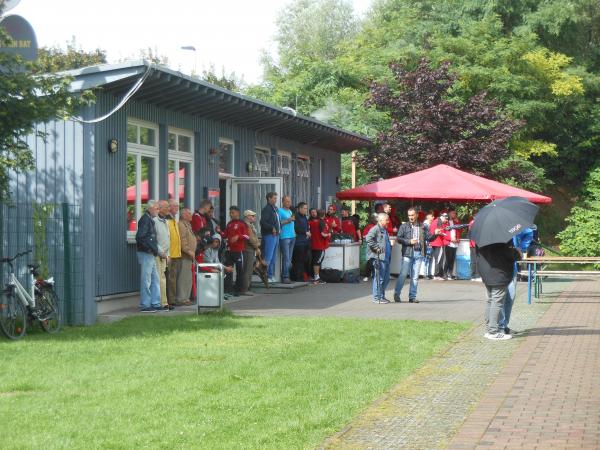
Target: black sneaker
(147,310)
(413,300)
(158,309)
(509,331)
(397,298)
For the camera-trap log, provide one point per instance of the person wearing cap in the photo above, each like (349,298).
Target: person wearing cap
(251,250)
(236,234)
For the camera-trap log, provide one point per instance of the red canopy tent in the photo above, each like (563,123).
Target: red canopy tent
(439,183)
(144,188)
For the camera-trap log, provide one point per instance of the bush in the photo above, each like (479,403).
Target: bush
(581,237)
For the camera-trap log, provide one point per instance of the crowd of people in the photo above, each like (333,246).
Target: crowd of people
(168,250)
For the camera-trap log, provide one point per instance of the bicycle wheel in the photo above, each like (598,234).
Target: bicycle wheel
(13,315)
(48,310)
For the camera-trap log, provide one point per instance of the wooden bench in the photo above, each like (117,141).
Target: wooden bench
(536,269)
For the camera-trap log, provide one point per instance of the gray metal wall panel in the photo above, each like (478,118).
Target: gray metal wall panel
(57,178)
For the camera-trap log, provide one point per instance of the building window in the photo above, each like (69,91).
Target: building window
(284,170)
(303,179)
(180,169)
(226,154)
(142,171)
(262,162)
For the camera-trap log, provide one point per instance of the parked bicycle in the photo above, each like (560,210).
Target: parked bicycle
(20,307)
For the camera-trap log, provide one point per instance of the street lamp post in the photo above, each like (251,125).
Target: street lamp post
(191,48)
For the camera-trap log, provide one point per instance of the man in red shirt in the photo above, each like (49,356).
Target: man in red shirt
(348,226)
(236,234)
(200,217)
(334,222)
(394,222)
(319,239)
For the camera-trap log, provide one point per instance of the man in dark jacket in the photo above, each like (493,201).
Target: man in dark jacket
(413,237)
(496,265)
(147,251)
(269,230)
(302,243)
(380,250)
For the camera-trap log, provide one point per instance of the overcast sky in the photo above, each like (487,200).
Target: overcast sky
(229,33)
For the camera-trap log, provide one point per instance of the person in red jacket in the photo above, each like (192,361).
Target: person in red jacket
(334,222)
(438,245)
(236,234)
(320,235)
(348,226)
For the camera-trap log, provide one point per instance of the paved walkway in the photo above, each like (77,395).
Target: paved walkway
(548,395)
(537,390)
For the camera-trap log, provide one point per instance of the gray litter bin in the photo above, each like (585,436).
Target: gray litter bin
(209,286)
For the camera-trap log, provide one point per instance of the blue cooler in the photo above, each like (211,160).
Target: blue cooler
(463,267)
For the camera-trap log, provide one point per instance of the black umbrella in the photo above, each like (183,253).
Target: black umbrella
(499,221)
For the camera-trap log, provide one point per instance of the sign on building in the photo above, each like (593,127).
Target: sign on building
(22,37)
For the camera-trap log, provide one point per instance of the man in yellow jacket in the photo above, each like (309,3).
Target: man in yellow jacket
(175,262)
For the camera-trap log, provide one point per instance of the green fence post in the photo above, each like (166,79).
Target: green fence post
(68,288)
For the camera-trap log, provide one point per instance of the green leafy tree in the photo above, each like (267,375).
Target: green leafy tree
(55,59)
(27,99)
(225,80)
(581,237)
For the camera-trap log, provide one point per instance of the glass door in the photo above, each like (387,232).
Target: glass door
(251,193)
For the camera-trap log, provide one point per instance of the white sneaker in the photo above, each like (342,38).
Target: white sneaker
(476,279)
(366,279)
(272,280)
(497,336)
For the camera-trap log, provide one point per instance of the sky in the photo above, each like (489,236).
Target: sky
(226,33)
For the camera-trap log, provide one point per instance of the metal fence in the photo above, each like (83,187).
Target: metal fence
(54,232)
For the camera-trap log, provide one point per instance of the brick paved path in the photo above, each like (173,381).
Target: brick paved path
(548,395)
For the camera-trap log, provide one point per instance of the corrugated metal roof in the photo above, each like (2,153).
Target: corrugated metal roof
(173,90)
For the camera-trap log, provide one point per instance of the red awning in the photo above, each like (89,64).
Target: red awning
(171,184)
(439,183)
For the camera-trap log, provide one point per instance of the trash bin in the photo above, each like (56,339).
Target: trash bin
(209,286)
(463,267)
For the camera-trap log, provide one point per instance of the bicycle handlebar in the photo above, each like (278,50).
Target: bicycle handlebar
(18,255)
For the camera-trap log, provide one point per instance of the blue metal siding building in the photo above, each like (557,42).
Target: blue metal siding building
(74,165)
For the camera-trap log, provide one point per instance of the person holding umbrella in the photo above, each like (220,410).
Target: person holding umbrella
(493,229)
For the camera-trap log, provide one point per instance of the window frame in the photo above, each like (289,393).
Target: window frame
(181,157)
(267,152)
(140,151)
(231,142)
(279,171)
(306,160)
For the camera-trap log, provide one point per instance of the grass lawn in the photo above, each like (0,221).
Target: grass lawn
(212,381)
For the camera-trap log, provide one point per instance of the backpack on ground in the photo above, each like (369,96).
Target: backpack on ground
(331,275)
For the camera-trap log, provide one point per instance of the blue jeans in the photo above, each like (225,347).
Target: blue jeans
(412,264)
(381,278)
(511,291)
(270,248)
(149,281)
(287,249)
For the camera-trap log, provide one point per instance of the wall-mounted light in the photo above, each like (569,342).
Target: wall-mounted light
(212,155)
(113,145)
(249,167)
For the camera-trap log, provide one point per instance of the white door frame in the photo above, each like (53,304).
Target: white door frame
(234,181)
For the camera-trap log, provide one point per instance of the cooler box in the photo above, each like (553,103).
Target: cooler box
(463,267)
(209,286)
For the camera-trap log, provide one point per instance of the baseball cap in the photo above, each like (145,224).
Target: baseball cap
(249,212)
